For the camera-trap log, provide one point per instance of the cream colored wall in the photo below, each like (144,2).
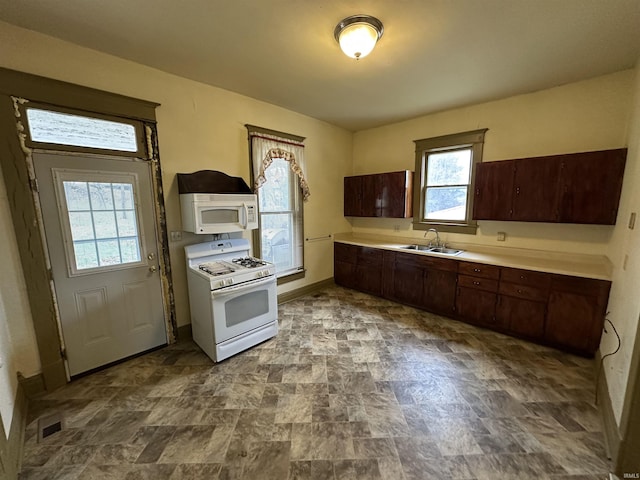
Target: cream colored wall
(18,351)
(624,300)
(200,127)
(588,115)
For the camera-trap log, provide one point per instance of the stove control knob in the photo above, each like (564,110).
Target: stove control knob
(221,283)
(229,281)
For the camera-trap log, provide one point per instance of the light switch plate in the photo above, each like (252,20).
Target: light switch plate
(176,236)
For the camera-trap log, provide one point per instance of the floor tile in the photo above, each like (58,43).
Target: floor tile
(352,387)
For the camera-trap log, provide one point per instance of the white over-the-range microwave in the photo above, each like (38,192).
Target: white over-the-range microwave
(208,213)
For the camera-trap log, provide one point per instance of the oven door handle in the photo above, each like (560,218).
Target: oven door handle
(242,287)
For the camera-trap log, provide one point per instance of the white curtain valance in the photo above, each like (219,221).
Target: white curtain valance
(266,148)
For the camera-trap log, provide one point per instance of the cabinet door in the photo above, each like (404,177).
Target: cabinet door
(440,291)
(344,274)
(476,306)
(535,196)
(395,195)
(570,320)
(352,196)
(522,317)
(590,187)
(371,201)
(369,279)
(408,281)
(494,190)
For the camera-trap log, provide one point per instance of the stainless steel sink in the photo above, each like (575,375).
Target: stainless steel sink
(440,250)
(445,250)
(423,248)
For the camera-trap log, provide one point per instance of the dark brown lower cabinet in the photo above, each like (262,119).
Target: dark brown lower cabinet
(440,291)
(563,311)
(476,306)
(575,312)
(520,316)
(419,281)
(407,284)
(358,267)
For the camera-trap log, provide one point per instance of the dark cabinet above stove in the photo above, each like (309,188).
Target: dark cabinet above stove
(574,188)
(386,195)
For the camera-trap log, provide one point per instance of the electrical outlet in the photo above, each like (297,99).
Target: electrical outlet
(632,220)
(502,236)
(176,236)
(396,228)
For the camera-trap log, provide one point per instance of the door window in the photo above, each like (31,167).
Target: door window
(100,220)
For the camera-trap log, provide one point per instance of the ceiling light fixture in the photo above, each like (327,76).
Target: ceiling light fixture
(358,34)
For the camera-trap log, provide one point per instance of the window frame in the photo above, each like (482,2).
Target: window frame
(141,141)
(291,275)
(473,140)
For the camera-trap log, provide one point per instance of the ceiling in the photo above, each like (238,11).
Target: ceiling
(434,54)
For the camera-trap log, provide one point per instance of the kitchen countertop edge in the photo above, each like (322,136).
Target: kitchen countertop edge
(596,267)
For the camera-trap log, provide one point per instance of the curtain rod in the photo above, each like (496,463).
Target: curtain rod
(277,140)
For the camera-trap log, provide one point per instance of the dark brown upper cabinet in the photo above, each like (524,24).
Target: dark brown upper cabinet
(590,186)
(494,190)
(379,195)
(574,188)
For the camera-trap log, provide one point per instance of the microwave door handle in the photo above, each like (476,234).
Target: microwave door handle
(246,216)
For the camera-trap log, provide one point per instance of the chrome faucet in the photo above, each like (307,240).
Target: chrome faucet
(437,239)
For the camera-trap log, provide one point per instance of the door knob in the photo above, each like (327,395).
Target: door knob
(151,256)
(153,268)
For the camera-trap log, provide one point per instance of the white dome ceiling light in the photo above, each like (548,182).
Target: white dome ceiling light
(358,34)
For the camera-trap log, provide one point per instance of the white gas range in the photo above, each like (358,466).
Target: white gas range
(232,297)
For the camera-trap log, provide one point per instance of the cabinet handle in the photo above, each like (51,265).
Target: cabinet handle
(521,277)
(476,283)
(476,269)
(517,190)
(519,291)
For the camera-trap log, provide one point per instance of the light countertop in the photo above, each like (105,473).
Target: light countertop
(579,265)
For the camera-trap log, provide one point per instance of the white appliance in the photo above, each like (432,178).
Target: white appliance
(232,296)
(208,213)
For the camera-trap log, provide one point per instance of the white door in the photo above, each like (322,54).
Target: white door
(100,230)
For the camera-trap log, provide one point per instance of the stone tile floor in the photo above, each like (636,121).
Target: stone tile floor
(353,387)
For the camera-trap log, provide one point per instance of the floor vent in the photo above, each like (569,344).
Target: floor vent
(49,425)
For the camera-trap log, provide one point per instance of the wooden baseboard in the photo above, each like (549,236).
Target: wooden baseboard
(11,447)
(306,290)
(32,386)
(612,436)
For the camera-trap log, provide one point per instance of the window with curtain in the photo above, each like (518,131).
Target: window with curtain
(279,180)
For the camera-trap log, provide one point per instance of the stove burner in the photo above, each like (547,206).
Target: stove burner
(249,262)
(216,268)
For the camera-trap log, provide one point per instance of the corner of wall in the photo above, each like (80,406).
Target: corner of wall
(612,436)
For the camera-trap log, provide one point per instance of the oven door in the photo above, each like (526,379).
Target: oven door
(242,308)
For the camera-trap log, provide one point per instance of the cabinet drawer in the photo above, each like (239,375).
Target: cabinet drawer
(478,283)
(523,291)
(526,277)
(479,270)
